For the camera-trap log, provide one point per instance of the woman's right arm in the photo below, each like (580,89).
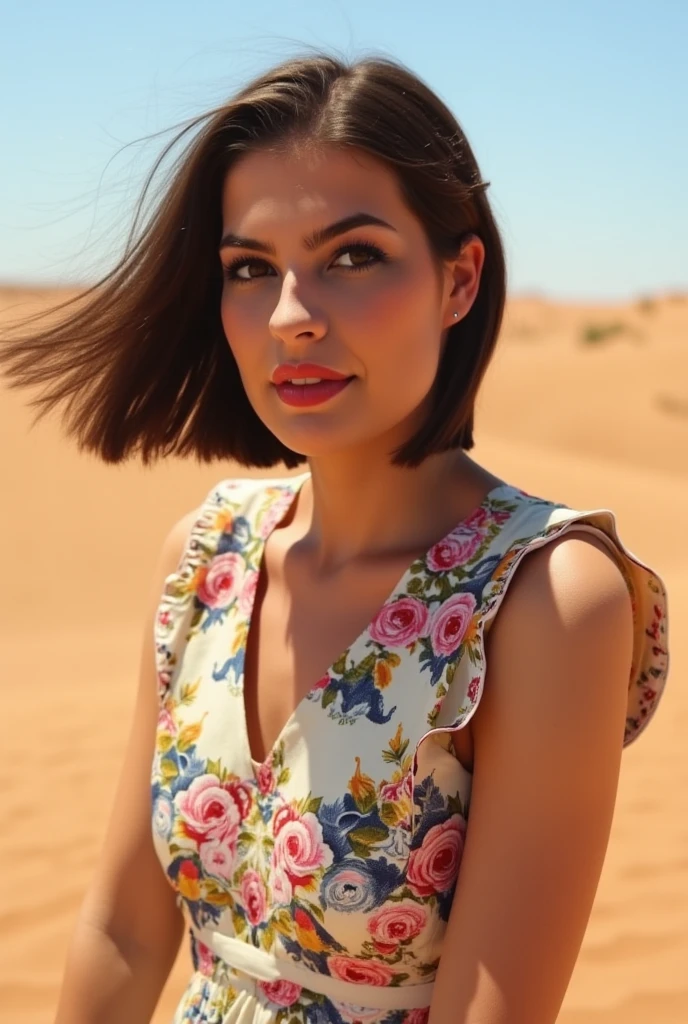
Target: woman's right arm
(129,928)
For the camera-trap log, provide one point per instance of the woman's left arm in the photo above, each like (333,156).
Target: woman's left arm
(548,738)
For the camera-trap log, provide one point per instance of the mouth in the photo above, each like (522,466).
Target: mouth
(307,391)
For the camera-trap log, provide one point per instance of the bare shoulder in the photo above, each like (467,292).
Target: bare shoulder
(576,574)
(548,738)
(559,652)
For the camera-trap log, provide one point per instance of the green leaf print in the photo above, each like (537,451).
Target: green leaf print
(316,911)
(389,814)
(368,835)
(365,799)
(329,695)
(454,804)
(364,668)
(188,692)
(339,667)
(168,770)
(397,979)
(218,898)
(445,588)
(195,620)
(428,968)
(215,768)
(268,937)
(282,922)
(239,922)
(360,849)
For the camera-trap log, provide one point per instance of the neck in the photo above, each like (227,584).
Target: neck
(357,508)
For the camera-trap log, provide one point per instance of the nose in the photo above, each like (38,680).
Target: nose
(297,317)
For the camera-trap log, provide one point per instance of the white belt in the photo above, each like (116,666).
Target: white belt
(264,966)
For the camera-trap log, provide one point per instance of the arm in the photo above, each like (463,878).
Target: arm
(129,928)
(548,739)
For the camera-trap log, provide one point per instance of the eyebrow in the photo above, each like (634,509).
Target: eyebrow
(318,238)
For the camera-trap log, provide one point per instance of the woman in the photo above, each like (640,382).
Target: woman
(323,284)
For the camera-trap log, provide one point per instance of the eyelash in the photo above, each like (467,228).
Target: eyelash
(242,261)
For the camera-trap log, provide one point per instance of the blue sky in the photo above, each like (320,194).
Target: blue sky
(576,113)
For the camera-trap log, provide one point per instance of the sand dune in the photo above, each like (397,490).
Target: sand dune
(584,404)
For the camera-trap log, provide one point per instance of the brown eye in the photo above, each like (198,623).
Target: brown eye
(242,262)
(361,255)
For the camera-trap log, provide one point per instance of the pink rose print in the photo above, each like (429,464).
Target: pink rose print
(473,687)
(281,887)
(222,580)
(247,594)
(241,795)
(206,962)
(281,992)
(456,549)
(253,896)
(208,811)
(361,972)
(419,1016)
(434,866)
(479,519)
(392,792)
(166,722)
(265,778)
(450,622)
(273,514)
(400,623)
(299,848)
(284,814)
(217,857)
(164,680)
(397,923)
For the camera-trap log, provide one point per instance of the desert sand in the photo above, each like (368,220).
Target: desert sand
(584,404)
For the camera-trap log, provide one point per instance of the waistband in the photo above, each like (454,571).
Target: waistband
(264,966)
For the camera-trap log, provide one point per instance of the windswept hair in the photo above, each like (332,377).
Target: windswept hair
(140,359)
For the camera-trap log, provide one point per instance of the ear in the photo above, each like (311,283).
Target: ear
(462,280)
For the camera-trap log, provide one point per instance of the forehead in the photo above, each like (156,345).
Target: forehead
(271,184)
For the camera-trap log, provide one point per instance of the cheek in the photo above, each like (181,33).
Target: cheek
(243,327)
(398,335)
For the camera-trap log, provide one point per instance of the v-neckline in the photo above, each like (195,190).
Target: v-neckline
(294,485)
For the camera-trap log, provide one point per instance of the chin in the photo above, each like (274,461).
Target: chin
(318,442)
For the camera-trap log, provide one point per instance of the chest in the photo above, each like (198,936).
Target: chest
(298,629)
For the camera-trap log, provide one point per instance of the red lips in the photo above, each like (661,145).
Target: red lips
(296,371)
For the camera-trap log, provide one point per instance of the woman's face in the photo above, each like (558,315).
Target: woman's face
(368,302)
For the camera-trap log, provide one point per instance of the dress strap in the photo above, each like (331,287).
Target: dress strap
(533,523)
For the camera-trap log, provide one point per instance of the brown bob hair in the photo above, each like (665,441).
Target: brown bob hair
(141,359)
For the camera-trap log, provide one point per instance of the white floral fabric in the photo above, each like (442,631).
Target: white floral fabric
(317,885)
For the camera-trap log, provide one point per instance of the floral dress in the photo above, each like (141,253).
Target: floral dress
(317,885)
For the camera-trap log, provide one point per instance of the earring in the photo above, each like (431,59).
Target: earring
(456,314)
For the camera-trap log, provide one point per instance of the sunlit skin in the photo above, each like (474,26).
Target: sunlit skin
(383,320)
